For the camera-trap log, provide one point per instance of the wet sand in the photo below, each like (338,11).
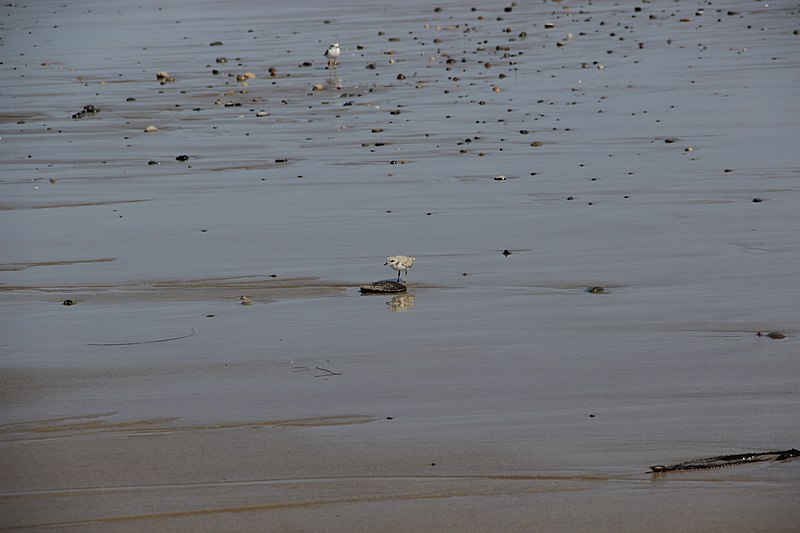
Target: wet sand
(651,149)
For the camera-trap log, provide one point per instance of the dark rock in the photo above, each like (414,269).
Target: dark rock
(383,286)
(596,290)
(182,158)
(774,335)
(68,302)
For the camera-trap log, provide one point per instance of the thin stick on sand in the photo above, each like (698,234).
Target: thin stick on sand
(141,342)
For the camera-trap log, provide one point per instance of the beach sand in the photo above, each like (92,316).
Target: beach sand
(649,148)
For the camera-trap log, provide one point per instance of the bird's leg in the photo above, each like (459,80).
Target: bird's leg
(398,276)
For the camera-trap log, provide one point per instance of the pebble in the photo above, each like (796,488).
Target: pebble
(757,200)
(222,60)
(596,290)
(262,114)
(246,300)
(68,302)
(150,129)
(182,158)
(500,178)
(506,252)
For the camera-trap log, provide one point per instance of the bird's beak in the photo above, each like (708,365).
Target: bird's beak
(386,263)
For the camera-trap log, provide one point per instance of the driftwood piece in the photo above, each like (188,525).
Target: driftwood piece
(728,460)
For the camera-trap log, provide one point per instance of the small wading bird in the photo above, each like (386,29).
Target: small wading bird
(332,53)
(401,263)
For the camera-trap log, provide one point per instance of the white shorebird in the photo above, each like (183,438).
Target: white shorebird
(401,263)
(332,53)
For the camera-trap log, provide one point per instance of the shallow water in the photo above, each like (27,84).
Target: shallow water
(159,400)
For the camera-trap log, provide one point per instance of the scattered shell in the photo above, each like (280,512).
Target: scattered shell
(262,114)
(222,60)
(246,300)
(500,178)
(317,87)
(150,129)
(596,290)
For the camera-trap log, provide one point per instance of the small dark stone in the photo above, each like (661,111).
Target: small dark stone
(596,290)
(506,252)
(774,335)
(68,302)
(383,286)
(281,160)
(222,60)
(130,99)
(216,43)
(401,76)
(151,162)
(757,200)
(182,158)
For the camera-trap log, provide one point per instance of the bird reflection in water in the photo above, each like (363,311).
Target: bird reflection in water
(334,81)
(401,302)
